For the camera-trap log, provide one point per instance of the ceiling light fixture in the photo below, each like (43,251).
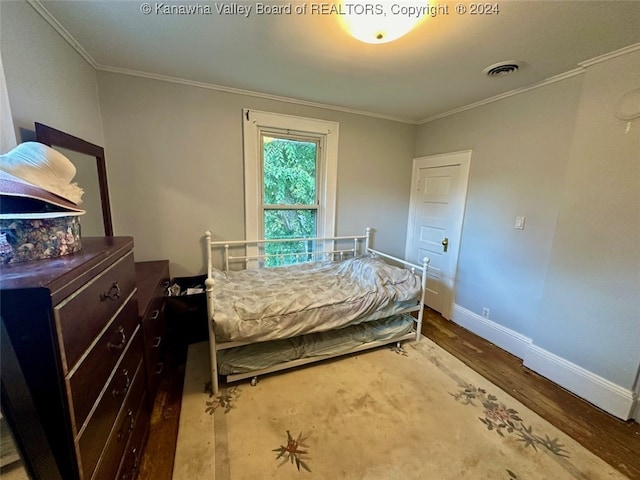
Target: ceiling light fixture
(380,22)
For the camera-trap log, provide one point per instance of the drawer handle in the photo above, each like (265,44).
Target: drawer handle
(134,467)
(156,343)
(134,452)
(123,340)
(112,294)
(159,368)
(154,314)
(127,383)
(122,434)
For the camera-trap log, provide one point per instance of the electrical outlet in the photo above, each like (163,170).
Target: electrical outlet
(485,312)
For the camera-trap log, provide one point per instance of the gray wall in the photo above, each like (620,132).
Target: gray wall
(590,308)
(47,80)
(520,149)
(570,280)
(176,167)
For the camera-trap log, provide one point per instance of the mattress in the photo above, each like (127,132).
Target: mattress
(262,355)
(281,302)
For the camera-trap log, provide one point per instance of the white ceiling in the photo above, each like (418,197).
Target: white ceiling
(436,68)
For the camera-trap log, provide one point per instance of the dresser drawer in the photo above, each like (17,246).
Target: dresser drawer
(152,279)
(155,366)
(87,381)
(123,393)
(132,424)
(133,453)
(153,324)
(154,336)
(84,314)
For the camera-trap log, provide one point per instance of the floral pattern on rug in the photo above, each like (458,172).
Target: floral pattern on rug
(292,452)
(225,399)
(500,418)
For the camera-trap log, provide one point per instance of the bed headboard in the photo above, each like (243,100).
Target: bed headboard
(256,252)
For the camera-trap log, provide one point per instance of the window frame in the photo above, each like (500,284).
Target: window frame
(297,136)
(255,124)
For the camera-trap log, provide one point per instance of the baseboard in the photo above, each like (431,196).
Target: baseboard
(636,411)
(610,397)
(601,392)
(505,338)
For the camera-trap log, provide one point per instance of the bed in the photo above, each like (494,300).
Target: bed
(320,301)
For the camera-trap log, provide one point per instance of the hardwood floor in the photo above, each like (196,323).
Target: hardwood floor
(157,459)
(615,441)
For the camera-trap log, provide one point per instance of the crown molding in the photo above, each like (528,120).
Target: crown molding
(38,7)
(610,55)
(64,33)
(502,96)
(557,78)
(250,93)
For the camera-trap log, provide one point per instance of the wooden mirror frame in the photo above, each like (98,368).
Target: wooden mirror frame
(56,138)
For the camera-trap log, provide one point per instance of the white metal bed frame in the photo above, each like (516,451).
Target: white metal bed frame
(331,252)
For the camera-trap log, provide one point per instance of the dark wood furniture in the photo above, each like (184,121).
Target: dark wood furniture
(57,138)
(74,325)
(24,449)
(152,279)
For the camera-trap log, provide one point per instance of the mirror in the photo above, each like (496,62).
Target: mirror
(91,176)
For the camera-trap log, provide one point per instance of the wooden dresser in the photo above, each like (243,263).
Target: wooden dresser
(153,280)
(75,327)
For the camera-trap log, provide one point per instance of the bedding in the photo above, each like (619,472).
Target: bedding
(256,356)
(257,305)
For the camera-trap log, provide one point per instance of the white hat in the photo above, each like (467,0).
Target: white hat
(35,171)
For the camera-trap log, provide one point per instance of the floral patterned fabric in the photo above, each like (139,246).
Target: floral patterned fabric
(282,302)
(25,240)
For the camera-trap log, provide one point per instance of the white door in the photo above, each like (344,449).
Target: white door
(438,197)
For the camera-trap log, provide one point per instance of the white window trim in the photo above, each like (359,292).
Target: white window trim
(253,122)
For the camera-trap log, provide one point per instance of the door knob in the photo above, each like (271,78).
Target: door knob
(445,243)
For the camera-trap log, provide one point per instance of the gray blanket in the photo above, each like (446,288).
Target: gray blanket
(282,302)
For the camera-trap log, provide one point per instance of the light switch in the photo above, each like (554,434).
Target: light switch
(520,223)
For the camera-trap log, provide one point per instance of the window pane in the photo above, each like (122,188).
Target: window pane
(289,171)
(289,224)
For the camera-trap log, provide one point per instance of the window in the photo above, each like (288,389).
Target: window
(290,181)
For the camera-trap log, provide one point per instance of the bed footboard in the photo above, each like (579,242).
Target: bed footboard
(209,284)
(424,268)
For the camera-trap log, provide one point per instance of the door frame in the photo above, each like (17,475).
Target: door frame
(462,158)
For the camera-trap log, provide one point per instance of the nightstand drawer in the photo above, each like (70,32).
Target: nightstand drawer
(84,314)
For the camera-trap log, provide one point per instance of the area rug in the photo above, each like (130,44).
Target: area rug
(409,412)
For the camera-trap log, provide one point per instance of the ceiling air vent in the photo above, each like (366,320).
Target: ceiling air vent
(503,68)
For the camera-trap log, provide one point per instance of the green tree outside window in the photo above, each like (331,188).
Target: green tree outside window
(290,200)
